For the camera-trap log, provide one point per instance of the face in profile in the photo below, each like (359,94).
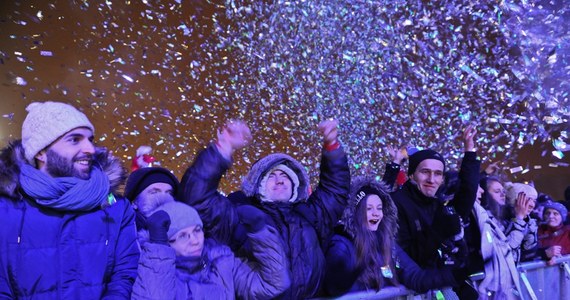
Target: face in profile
(496,192)
(428,176)
(69,156)
(374,213)
(188,242)
(278,187)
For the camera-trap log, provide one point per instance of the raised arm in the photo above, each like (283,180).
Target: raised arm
(397,158)
(199,185)
(328,201)
(468,176)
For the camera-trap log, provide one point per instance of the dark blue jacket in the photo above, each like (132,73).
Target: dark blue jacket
(343,276)
(303,225)
(52,254)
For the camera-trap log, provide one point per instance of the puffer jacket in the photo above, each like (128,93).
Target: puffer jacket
(217,274)
(303,225)
(55,254)
(343,275)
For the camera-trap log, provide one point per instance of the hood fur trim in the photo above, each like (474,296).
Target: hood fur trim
(13,155)
(389,210)
(250,185)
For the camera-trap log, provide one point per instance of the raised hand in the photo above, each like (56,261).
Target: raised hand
(523,205)
(492,169)
(469,138)
(329,131)
(233,136)
(396,155)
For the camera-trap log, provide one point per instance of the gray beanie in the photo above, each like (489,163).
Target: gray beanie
(181,216)
(48,121)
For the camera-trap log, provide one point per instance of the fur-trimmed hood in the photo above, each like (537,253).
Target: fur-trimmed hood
(13,155)
(250,185)
(389,210)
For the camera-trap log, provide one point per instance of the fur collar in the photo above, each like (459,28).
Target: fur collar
(390,212)
(13,155)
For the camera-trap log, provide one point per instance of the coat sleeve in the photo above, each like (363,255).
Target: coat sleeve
(127,255)
(341,270)
(156,274)
(199,189)
(515,232)
(326,204)
(468,184)
(270,277)
(391,174)
(418,279)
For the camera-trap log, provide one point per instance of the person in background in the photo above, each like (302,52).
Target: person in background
(553,235)
(177,262)
(490,250)
(277,188)
(363,254)
(519,226)
(65,233)
(149,187)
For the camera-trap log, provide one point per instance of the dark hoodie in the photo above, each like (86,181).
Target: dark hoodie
(63,254)
(303,225)
(344,275)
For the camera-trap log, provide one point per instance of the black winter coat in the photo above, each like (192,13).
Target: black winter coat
(303,225)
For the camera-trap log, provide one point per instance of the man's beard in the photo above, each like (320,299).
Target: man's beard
(146,204)
(59,166)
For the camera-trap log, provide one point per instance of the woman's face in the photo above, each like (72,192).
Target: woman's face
(188,241)
(374,212)
(552,217)
(497,192)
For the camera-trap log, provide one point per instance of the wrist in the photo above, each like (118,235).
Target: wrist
(225,149)
(331,146)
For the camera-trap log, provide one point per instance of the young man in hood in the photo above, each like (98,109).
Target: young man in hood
(64,233)
(276,190)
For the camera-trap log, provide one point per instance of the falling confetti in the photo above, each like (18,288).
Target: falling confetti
(400,72)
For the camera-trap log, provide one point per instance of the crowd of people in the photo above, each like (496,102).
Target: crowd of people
(68,233)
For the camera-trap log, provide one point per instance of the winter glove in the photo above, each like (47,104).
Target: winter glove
(158,225)
(251,217)
(447,222)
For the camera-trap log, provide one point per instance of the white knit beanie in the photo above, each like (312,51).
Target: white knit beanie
(48,121)
(513,190)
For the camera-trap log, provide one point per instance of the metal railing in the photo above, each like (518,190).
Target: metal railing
(539,280)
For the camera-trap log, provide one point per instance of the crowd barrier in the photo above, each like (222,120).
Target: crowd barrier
(538,281)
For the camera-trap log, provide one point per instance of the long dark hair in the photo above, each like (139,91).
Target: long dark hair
(369,243)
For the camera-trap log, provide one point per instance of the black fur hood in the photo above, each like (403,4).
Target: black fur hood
(389,209)
(13,155)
